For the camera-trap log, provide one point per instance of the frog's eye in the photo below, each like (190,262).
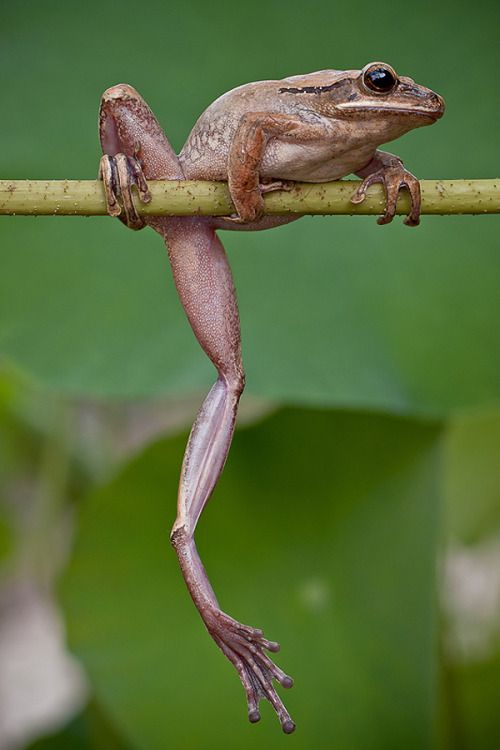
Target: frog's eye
(380,79)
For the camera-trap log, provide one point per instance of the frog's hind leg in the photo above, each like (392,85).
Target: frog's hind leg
(205,286)
(135,147)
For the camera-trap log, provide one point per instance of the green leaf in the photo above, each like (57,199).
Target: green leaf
(334,311)
(323,531)
(473,476)
(473,704)
(5,538)
(472,636)
(89,730)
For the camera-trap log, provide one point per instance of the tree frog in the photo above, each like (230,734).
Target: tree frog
(259,137)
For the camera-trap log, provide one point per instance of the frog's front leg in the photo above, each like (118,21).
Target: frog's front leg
(132,140)
(389,170)
(246,153)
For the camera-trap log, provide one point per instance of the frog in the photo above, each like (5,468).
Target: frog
(258,137)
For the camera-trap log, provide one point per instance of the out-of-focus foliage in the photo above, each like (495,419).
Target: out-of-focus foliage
(5,539)
(338,531)
(338,524)
(476,704)
(474,472)
(90,729)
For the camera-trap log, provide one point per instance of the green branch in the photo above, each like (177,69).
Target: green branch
(173,198)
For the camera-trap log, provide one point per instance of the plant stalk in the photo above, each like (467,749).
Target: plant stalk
(197,198)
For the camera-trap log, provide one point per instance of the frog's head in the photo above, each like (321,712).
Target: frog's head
(377,95)
(374,100)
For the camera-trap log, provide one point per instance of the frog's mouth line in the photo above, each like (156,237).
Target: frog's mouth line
(432,115)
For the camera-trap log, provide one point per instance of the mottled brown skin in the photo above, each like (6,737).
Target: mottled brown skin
(258,137)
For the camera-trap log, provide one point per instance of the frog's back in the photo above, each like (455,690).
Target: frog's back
(204,155)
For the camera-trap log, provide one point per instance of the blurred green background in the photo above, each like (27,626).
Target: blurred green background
(358,518)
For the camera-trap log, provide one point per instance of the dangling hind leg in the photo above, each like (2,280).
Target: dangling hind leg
(135,148)
(205,286)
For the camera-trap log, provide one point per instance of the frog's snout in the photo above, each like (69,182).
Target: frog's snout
(438,105)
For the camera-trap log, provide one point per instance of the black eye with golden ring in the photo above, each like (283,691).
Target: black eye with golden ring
(380,79)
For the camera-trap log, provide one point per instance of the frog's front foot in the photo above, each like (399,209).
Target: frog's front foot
(394,178)
(244,647)
(249,202)
(120,174)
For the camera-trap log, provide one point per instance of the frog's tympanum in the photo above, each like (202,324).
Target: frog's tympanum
(259,137)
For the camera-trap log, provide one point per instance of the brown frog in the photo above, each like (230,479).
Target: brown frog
(313,128)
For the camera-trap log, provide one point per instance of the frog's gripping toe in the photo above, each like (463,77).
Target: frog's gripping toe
(244,647)
(394,179)
(120,173)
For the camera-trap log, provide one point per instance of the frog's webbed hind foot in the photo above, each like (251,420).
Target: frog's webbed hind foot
(120,173)
(244,647)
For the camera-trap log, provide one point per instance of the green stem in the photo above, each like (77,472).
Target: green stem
(173,198)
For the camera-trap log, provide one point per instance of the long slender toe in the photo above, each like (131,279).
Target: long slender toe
(244,647)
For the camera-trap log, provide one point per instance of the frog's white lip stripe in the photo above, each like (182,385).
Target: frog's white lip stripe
(353,107)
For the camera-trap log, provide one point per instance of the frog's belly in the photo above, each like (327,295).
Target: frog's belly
(312,162)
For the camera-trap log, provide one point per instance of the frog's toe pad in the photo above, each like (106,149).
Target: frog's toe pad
(244,647)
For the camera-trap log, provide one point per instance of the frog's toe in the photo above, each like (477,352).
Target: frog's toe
(394,179)
(120,173)
(269,187)
(360,193)
(397,179)
(244,647)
